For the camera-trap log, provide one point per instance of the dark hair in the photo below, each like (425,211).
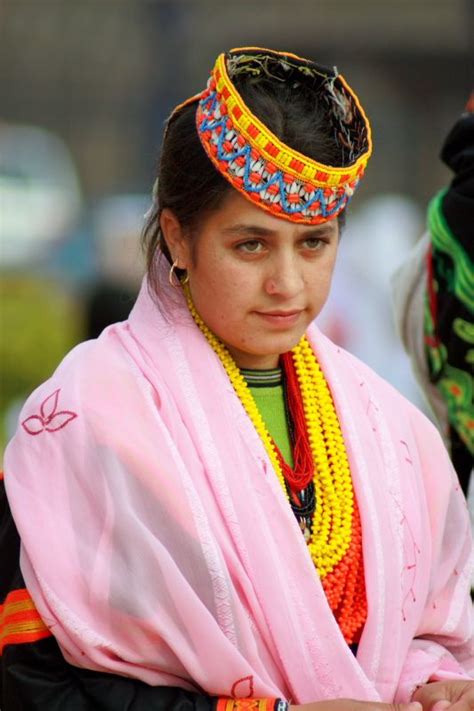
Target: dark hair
(190,185)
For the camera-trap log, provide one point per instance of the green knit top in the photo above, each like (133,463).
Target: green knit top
(267,389)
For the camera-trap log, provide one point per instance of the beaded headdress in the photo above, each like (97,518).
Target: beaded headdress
(265,170)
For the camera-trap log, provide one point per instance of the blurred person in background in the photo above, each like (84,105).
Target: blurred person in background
(213,506)
(118,222)
(434,300)
(41,197)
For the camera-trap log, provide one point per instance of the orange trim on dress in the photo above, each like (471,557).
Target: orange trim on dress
(245,704)
(20,621)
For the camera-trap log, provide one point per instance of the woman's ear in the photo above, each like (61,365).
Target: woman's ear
(174,237)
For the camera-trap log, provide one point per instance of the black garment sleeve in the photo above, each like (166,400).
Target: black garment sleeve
(458,210)
(34,676)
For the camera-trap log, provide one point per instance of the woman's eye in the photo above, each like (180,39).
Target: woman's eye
(313,243)
(250,247)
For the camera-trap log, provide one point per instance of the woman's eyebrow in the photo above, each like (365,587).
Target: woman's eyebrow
(249,230)
(245,230)
(321,231)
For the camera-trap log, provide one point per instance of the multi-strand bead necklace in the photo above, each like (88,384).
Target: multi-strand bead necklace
(334,541)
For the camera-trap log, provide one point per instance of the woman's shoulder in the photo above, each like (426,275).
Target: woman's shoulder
(395,404)
(95,377)
(96,415)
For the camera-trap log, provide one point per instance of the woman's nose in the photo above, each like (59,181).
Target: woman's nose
(284,277)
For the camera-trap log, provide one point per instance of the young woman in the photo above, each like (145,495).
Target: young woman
(217,507)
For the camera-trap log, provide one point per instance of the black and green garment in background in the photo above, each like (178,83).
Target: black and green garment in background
(449,330)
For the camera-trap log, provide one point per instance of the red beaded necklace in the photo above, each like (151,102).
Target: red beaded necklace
(301,474)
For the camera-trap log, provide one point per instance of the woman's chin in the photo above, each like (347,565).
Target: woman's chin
(266,353)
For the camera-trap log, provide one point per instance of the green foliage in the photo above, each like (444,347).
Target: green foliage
(39,323)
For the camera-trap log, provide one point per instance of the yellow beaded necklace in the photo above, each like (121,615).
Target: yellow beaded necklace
(332,520)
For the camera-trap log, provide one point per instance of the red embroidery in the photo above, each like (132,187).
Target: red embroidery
(242,688)
(411,567)
(48,419)
(407,455)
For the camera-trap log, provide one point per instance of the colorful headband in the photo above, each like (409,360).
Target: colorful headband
(256,163)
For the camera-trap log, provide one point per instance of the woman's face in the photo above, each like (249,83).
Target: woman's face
(256,280)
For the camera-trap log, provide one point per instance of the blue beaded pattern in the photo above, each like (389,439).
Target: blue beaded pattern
(318,203)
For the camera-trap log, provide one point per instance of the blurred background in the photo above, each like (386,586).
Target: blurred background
(86,87)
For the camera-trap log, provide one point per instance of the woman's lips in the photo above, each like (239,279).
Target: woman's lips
(280,317)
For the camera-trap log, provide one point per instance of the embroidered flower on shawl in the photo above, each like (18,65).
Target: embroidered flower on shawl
(49,418)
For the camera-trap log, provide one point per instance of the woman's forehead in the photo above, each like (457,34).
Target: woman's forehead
(238,216)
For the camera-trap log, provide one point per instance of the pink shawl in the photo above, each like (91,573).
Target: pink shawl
(157,543)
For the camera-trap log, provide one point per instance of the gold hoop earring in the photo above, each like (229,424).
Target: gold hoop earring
(176,282)
(172,274)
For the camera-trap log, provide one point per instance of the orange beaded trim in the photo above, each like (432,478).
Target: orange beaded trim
(335,544)
(245,705)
